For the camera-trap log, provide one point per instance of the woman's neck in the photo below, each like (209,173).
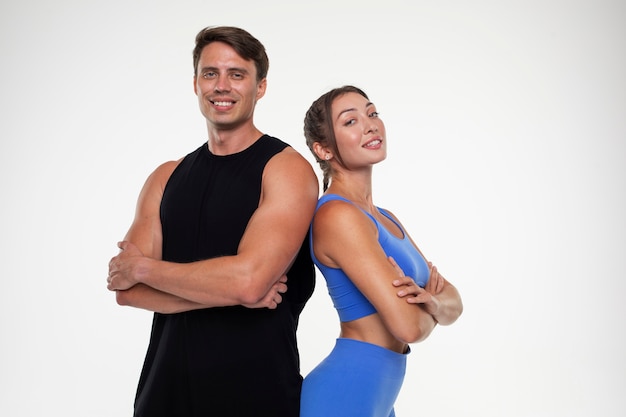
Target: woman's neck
(357,190)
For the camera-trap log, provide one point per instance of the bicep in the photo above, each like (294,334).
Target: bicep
(145,231)
(278,226)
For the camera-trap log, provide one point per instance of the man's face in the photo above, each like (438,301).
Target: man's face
(226,87)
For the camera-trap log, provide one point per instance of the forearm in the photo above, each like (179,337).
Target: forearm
(147,298)
(218,282)
(450,306)
(426,323)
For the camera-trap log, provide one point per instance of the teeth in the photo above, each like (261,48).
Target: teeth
(223,103)
(373,143)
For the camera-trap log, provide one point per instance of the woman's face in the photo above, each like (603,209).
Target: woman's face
(359,132)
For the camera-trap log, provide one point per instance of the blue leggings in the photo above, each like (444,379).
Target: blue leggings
(357,379)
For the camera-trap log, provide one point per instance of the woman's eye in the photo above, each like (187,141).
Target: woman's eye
(374,114)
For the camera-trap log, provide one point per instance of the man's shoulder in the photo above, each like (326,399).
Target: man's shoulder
(272,143)
(168,167)
(290,167)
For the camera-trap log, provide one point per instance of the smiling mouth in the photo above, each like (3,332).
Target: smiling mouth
(373,143)
(223,103)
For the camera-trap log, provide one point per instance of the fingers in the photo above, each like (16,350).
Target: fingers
(280,285)
(438,280)
(111,273)
(403,281)
(410,290)
(276,300)
(273,304)
(283,278)
(396,266)
(421,298)
(408,287)
(439,283)
(276,292)
(122,267)
(435,282)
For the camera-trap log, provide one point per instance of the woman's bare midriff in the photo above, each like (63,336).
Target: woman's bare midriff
(371,329)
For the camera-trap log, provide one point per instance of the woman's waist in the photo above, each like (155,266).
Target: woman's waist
(370,329)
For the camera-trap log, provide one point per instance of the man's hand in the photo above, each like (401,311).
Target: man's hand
(125,268)
(273,296)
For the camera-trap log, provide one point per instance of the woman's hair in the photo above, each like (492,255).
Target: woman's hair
(246,45)
(318,127)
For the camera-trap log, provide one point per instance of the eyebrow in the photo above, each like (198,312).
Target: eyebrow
(233,69)
(369,103)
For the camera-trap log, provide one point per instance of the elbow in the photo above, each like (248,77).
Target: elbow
(256,278)
(454,313)
(415,334)
(250,297)
(414,331)
(252,288)
(123,297)
(457,313)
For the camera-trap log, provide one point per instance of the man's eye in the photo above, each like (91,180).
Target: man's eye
(208,75)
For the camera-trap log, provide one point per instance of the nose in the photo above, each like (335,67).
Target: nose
(371,127)
(222,84)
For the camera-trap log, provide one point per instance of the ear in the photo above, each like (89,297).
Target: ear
(195,85)
(320,151)
(261,87)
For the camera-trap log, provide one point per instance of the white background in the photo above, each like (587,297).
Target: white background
(506,125)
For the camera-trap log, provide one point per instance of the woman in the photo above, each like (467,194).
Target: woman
(364,253)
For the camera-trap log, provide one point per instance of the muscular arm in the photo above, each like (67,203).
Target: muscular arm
(345,238)
(268,247)
(145,234)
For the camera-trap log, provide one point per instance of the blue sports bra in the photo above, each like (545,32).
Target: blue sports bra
(349,302)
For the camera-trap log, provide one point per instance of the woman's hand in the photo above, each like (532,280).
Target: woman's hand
(435,280)
(414,294)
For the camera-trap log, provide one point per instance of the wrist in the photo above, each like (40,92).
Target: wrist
(143,271)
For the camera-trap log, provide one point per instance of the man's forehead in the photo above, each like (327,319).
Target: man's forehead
(222,56)
(220,51)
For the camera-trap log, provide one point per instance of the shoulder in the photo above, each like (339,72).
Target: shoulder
(154,187)
(341,216)
(289,156)
(289,166)
(163,172)
(283,151)
(339,230)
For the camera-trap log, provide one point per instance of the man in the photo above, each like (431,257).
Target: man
(218,251)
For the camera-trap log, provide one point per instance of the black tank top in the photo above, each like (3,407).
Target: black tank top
(225,361)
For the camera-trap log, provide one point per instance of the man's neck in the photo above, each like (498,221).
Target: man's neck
(228,142)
